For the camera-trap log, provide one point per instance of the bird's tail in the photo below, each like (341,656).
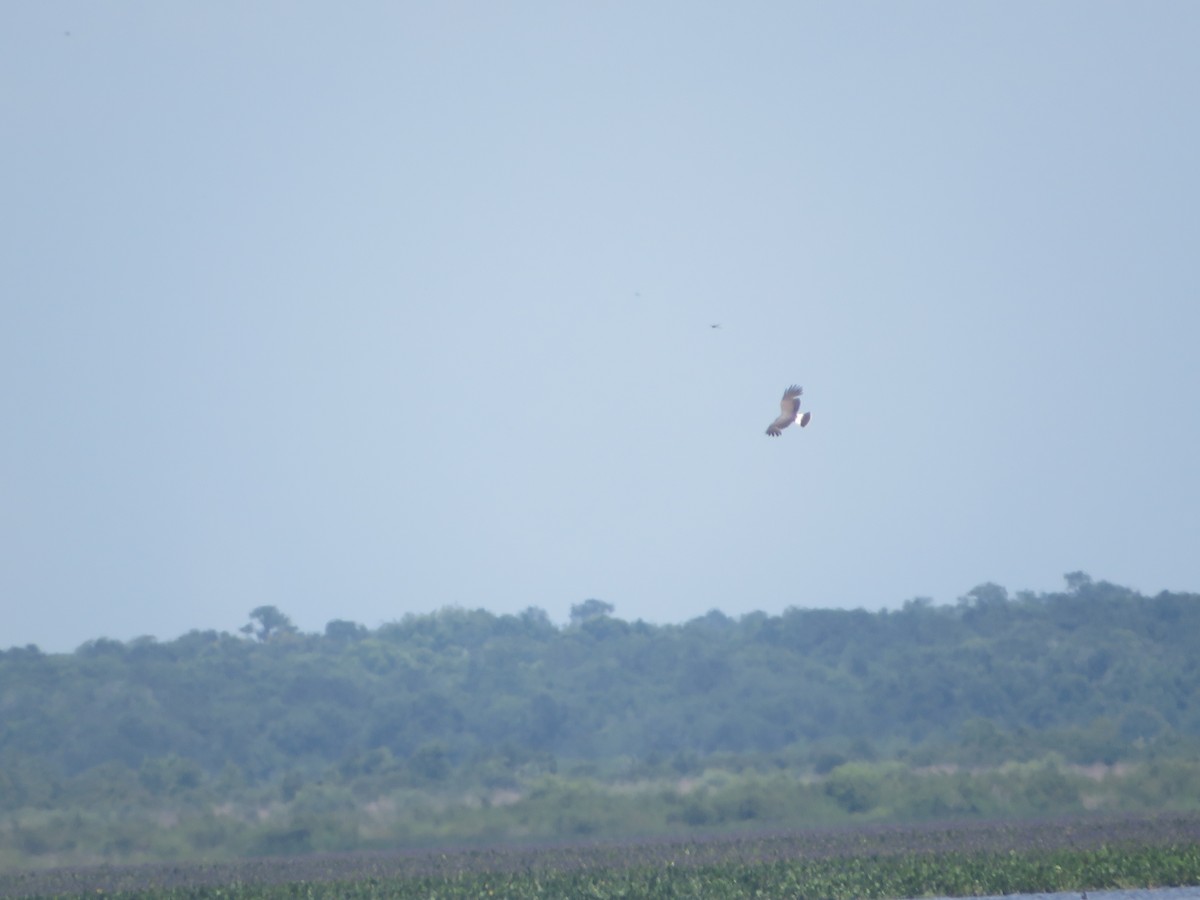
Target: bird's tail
(804,419)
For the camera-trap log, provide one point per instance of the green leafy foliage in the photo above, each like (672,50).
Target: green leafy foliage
(467,726)
(867,863)
(992,672)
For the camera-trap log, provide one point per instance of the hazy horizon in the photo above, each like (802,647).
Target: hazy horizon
(565,621)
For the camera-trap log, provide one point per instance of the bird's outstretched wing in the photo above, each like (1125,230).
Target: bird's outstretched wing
(788,407)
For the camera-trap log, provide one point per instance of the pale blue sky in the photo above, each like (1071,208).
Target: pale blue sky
(362,309)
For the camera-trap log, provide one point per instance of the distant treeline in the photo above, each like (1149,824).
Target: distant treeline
(1096,673)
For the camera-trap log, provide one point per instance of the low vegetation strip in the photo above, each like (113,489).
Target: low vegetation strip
(884,861)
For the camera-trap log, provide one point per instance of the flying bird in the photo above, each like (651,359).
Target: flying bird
(790,412)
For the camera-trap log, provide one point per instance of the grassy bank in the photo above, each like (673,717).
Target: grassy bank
(109,823)
(884,861)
